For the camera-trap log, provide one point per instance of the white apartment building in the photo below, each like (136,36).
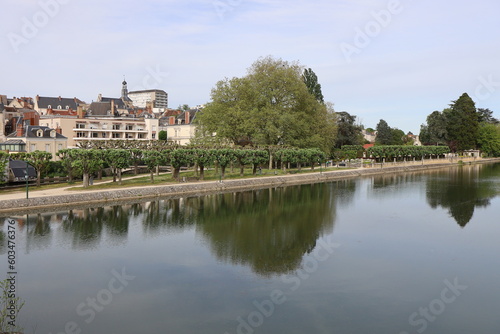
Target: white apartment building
(102,128)
(156,98)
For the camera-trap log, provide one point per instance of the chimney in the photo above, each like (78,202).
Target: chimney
(79,112)
(99,97)
(20,130)
(38,98)
(171,120)
(59,130)
(60,98)
(186,117)
(112,107)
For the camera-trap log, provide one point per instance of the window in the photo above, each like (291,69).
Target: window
(49,107)
(67,107)
(116,126)
(32,147)
(39,133)
(59,107)
(47,147)
(140,136)
(115,135)
(153,136)
(59,147)
(94,134)
(104,135)
(129,127)
(81,135)
(80,125)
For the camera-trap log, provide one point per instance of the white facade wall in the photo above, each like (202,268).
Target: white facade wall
(94,128)
(142,98)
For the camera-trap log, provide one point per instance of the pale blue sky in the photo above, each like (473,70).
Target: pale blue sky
(379,59)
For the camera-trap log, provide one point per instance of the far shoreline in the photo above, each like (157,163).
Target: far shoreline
(199,188)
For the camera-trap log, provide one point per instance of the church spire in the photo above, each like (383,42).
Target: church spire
(124,89)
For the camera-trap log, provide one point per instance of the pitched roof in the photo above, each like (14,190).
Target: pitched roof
(32,131)
(118,102)
(18,168)
(53,102)
(100,109)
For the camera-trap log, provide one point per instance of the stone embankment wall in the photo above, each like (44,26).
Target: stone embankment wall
(112,197)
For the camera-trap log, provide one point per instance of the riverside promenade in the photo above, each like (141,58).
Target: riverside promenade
(68,197)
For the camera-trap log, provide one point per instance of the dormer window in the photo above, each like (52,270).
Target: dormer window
(67,107)
(49,107)
(39,133)
(53,133)
(59,107)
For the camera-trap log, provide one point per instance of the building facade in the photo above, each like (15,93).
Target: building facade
(155,98)
(103,128)
(35,138)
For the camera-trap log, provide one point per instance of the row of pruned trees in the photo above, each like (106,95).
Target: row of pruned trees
(406,152)
(93,160)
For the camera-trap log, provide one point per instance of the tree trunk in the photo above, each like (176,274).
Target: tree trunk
(299,165)
(85,180)
(216,164)
(254,169)
(195,169)
(119,176)
(222,171)
(136,168)
(270,161)
(242,169)
(38,178)
(151,176)
(113,170)
(176,173)
(202,172)
(158,170)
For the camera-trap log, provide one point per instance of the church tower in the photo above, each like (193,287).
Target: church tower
(124,91)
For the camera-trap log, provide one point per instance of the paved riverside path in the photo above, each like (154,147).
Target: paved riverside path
(75,188)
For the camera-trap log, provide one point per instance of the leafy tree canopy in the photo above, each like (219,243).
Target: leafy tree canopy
(384,133)
(349,133)
(271,105)
(311,81)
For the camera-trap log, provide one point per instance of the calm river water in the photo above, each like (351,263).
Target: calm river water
(403,254)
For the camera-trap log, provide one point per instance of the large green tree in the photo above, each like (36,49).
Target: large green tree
(434,132)
(384,133)
(348,132)
(486,115)
(462,124)
(489,138)
(311,80)
(271,105)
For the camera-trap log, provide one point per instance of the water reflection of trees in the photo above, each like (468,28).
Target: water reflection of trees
(461,190)
(85,226)
(270,230)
